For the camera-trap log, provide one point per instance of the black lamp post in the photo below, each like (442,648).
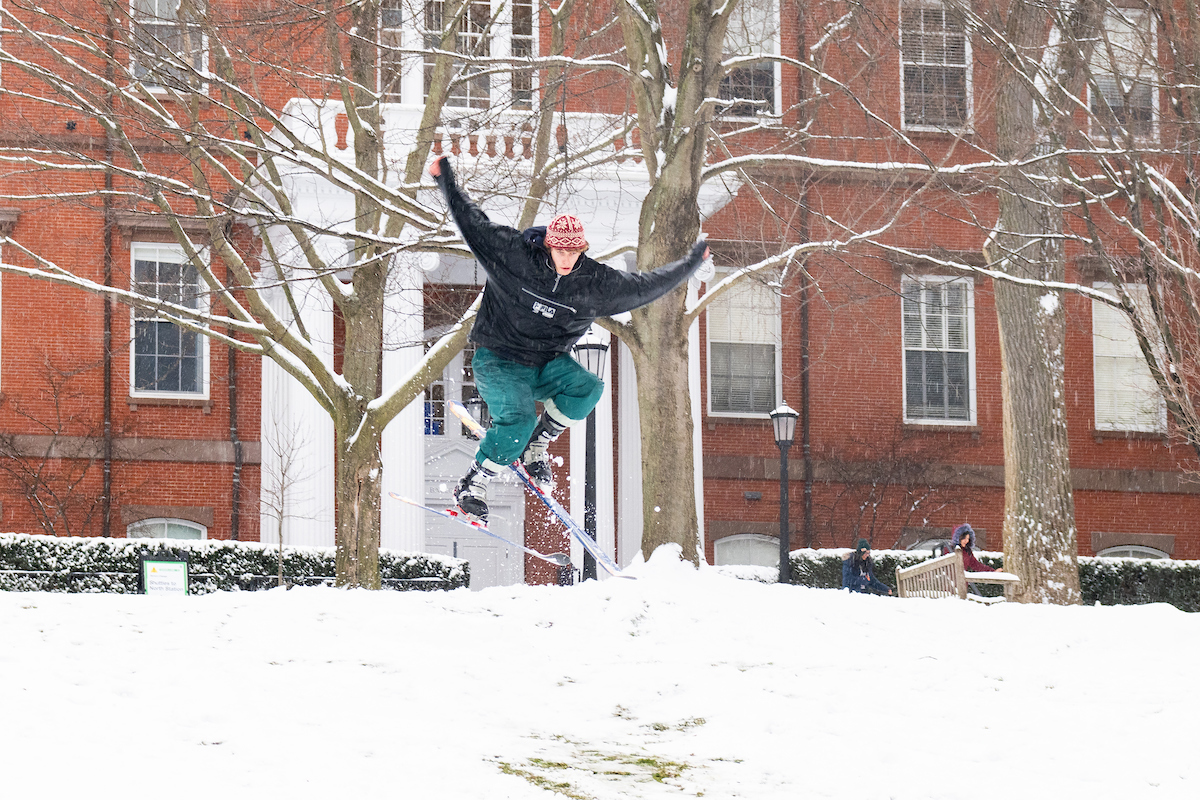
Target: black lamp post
(592,354)
(783,419)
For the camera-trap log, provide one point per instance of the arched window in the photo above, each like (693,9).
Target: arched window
(755,549)
(166,529)
(1131,551)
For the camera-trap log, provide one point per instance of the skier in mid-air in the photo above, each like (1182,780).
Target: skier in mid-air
(542,294)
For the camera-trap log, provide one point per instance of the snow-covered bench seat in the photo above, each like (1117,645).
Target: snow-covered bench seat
(944,576)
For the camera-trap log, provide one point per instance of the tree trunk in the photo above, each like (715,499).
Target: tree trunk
(1040,543)
(358,513)
(1039,510)
(665,411)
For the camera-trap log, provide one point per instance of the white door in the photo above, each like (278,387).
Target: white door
(492,562)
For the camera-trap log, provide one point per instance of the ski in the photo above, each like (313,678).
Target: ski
(557,559)
(589,544)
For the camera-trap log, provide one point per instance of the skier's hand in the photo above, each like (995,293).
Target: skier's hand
(706,270)
(435,169)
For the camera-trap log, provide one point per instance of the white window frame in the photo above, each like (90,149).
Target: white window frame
(392,36)
(161,253)
(1132,551)
(138,20)
(139,529)
(744,334)
(1113,338)
(1101,67)
(500,46)
(773,42)
(929,343)
(967,125)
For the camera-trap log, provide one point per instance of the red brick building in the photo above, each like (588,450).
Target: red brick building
(167,432)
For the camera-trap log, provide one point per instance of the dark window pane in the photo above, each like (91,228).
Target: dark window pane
(143,373)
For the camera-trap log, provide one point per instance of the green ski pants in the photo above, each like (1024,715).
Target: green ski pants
(510,390)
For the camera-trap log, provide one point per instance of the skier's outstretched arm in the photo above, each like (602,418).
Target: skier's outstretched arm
(488,240)
(630,290)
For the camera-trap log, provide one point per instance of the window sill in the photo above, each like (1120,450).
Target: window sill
(940,427)
(203,403)
(966,130)
(1100,435)
(720,418)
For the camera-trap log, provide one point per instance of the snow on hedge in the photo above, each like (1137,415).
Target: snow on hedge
(35,562)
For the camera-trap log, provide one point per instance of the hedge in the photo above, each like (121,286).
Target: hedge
(1107,581)
(33,562)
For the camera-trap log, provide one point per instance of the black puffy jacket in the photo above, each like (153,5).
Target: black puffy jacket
(530,313)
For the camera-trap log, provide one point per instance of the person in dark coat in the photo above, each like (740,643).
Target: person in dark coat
(542,294)
(858,571)
(962,539)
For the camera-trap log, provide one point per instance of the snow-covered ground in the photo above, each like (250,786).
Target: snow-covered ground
(678,684)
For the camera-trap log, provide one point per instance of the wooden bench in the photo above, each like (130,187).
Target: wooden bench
(944,576)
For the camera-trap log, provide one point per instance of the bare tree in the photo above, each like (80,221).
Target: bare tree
(282,482)
(54,468)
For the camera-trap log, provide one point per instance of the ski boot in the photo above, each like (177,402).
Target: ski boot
(536,457)
(471,492)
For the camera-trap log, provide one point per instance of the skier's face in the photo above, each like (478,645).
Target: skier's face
(564,260)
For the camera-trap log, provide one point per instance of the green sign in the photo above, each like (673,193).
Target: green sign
(164,577)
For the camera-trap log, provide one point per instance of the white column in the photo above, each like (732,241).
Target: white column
(629,477)
(403,526)
(297,439)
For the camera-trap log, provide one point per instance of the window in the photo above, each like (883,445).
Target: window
(750,88)
(485,30)
(935,66)
(1124,74)
(743,347)
(522,47)
(167,43)
(391,39)
(755,549)
(166,359)
(1127,397)
(457,383)
(938,321)
(166,529)
(1132,551)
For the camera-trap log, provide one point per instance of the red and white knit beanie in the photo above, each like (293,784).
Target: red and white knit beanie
(566,233)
